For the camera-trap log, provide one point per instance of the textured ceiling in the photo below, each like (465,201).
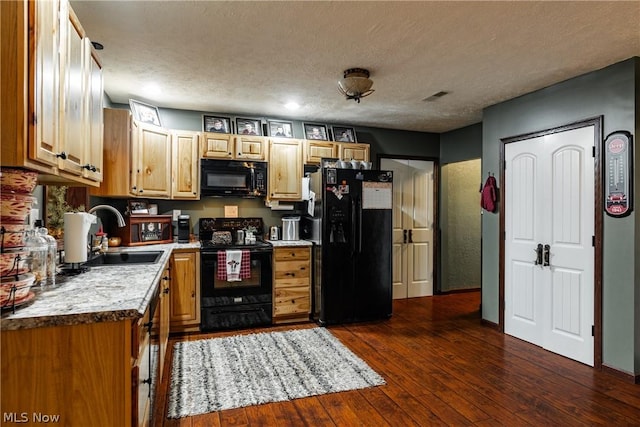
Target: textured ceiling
(251,57)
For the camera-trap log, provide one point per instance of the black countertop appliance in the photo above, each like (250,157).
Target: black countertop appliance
(184,228)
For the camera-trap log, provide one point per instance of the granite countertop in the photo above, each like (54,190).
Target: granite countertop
(280,243)
(102,294)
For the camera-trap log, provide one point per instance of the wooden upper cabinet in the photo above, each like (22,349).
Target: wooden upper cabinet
(45,86)
(117,155)
(316,150)
(95,119)
(216,145)
(285,169)
(45,109)
(151,172)
(353,151)
(250,147)
(185,165)
(73,127)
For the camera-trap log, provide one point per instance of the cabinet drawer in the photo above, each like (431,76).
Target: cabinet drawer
(294,268)
(292,301)
(287,254)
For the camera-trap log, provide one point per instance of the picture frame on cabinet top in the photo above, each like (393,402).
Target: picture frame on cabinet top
(216,124)
(343,134)
(245,126)
(145,113)
(280,129)
(315,131)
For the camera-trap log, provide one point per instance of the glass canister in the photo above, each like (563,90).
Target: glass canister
(38,249)
(52,253)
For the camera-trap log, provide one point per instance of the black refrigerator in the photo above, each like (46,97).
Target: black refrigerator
(356,266)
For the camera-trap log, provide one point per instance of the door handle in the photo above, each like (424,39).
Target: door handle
(538,252)
(410,236)
(404,236)
(547,249)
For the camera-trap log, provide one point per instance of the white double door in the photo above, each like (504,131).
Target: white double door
(549,201)
(413,217)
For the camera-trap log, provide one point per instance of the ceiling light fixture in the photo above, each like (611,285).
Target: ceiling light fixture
(355,84)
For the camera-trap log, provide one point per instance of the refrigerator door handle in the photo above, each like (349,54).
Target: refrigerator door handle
(359,207)
(353,227)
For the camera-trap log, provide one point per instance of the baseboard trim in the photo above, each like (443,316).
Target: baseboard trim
(625,376)
(491,325)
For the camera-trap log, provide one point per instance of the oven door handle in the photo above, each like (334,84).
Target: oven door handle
(253,180)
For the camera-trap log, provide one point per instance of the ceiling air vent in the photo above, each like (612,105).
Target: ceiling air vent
(435,96)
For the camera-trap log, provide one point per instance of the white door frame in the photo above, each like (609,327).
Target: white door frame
(596,122)
(436,246)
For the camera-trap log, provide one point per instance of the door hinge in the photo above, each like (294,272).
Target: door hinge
(593,331)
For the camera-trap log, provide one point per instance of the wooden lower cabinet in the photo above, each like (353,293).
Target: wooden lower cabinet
(291,284)
(93,374)
(185,290)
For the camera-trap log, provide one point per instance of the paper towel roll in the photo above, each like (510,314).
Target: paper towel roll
(76,230)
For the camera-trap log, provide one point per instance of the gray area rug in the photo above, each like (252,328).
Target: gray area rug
(232,372)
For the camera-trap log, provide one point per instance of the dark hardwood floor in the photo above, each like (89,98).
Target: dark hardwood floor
(442,367)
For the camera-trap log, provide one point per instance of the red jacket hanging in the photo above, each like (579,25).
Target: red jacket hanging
(489,194)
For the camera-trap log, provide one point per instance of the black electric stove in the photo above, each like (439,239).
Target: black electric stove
(234,304)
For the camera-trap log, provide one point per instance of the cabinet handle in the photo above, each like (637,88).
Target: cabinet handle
(134,188)
(404,236)
(141,191)
(165,291)
(147,381)
(166,278)
(89,167)
(62,155)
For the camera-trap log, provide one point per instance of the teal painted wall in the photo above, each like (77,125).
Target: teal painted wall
(611,92)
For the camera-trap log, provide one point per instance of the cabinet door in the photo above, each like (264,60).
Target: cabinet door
(94,120)
(117,155)
(73,130)
(165,296)
(314,151)
(216,146)
(353,151)
(185,165)
(250,147)
(285,169)
(185,290)
(45,144)
(151,176)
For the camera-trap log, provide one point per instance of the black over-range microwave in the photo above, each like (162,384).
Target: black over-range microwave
(233,178)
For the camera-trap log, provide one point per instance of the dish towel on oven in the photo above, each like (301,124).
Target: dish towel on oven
(237,265)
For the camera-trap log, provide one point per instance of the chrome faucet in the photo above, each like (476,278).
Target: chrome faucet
(121,222)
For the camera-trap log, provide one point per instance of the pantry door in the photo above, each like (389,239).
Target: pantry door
(413,222)
(549,234)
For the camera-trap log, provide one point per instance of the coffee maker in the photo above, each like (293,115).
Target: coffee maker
(184,227)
